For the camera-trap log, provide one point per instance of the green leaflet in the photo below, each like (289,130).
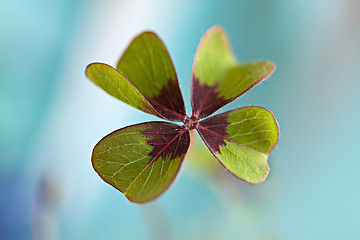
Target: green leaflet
(214,56)
(115,84)
(147,65)
(217,77)
(139,160)
(241,140)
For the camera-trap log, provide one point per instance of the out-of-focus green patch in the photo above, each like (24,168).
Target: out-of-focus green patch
(201,160)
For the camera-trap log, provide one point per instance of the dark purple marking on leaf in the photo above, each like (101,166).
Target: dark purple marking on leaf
(204,99)
(169,103)
(213,131)
(167,139)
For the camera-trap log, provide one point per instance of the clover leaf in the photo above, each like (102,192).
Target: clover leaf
(143,160)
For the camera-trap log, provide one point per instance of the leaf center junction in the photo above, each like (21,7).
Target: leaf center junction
(191,123)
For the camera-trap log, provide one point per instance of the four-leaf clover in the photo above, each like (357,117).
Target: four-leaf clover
(142,160)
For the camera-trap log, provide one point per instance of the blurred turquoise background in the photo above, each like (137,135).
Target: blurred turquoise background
(51,116)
